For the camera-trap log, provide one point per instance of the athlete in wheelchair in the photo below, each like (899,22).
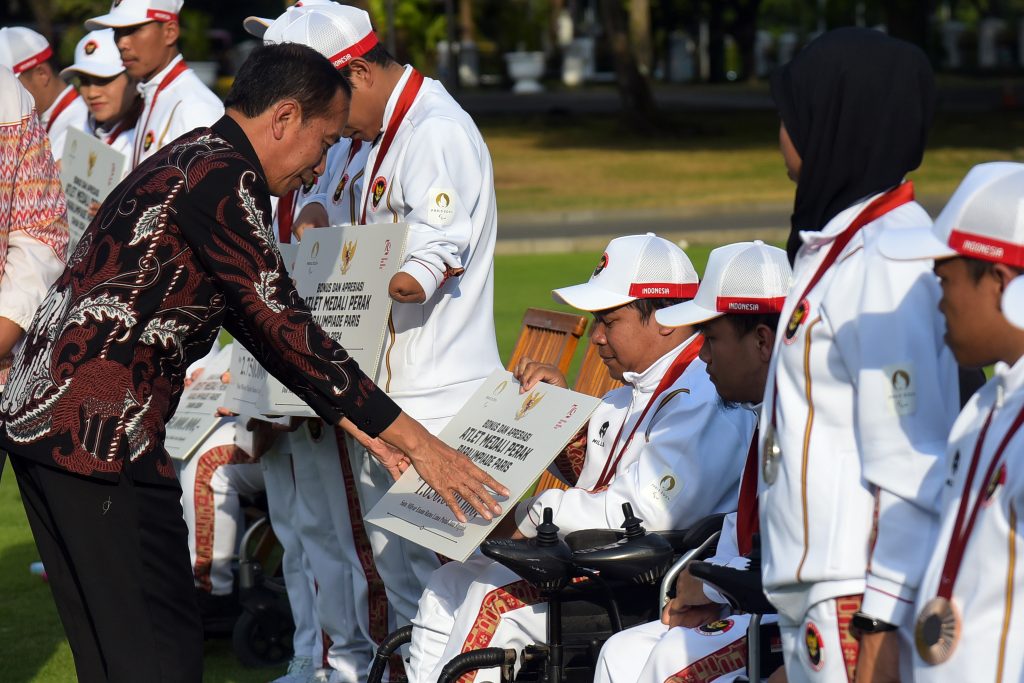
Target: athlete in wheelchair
(666,443)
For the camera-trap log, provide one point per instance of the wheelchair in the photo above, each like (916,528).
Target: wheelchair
(596,583)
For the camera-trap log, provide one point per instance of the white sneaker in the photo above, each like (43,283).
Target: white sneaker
(299,670)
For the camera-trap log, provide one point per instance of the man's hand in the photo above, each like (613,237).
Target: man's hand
(529,372)
(263,437)
(447,471)
(879,658)
(404,289)
(690,590)
(689,616)
(10,334)
(313,215)
(395,461)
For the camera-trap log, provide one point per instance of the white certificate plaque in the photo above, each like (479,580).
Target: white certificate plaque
(90,169)
(196,416)
(512,436)
(343,274)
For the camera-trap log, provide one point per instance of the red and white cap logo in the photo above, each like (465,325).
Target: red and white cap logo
(22,49)
(134,12)
(96,55)
(340,33)
(984,219)
(634,267)
(744,278)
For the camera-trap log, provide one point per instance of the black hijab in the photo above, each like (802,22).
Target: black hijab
(857,105)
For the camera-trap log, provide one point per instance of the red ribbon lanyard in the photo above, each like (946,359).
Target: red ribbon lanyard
(747,522)
(679,365)
(893,199)
(140,136)
(405,100)
(962,529)
(116,133)
(285,209)
(65,102)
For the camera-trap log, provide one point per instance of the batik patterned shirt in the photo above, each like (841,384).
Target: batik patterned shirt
(181,247)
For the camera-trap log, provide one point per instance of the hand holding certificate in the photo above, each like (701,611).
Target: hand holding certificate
(511,437)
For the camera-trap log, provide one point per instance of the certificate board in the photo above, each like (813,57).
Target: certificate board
(90,169)
(512,436)
(253,390)
(196,416)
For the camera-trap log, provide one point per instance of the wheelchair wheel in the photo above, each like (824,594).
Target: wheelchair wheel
(263,638)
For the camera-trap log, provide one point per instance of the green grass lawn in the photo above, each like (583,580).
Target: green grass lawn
(703,162)
(32,645)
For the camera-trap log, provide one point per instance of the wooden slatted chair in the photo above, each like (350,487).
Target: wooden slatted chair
(548,337)
(593,379)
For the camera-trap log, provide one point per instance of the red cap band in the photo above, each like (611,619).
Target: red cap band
(657,290)
(161,15)
(358,50)
(987,249)
(734,304)
(32,61)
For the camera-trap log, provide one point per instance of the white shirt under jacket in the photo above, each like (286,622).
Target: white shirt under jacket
(684,462)
(438,179)
(867,392)
(185,104)
(123,143)
(990,584)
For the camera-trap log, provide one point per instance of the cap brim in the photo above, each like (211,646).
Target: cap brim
(912,244)
(686,313)
(97,70)
(256,26)
(114,20)
(1013,302)
(590,297)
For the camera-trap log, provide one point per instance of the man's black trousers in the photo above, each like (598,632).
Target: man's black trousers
(116,557)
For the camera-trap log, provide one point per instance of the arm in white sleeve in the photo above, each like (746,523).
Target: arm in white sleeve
(696,443)
(31,268)
(441,181)
(906,401)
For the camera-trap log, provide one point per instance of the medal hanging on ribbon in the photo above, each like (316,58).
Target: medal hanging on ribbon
(938,626)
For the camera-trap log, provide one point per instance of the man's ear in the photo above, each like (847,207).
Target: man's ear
(285,114)
(1005,274)
(172,31)
(360,74)
(765,340)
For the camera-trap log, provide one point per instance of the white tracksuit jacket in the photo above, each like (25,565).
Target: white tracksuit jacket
(990,581)
(57,123)
(437,177)
(183,105)
(866,393)
(339,189)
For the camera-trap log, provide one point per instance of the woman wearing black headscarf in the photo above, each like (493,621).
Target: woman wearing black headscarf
(862,389)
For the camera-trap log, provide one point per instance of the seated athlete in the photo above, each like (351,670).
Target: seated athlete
(737,311)
(663,443)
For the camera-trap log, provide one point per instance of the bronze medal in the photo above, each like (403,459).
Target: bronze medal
(937,631)
(770,458)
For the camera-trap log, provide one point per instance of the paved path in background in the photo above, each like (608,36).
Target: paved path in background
(583,231)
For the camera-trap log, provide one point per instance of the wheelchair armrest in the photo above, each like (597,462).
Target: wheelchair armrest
(741,587)
(641,560)
(668,582)
(592,538)
(547,567)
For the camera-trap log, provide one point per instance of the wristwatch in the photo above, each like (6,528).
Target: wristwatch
(863,623)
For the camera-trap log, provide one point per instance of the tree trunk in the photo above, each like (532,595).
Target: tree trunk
(716,42)
(634,90)
(744,30)
(467,25)
(908,19)
(640,34)
(43,10)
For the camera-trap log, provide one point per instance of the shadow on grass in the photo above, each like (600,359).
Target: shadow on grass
(30,630)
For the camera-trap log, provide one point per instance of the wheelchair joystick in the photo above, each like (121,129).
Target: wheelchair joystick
(544,561)
(632,524)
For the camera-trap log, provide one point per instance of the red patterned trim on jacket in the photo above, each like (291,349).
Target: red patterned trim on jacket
(202,493)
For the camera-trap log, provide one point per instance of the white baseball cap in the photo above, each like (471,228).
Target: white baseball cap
(741,278)
(338,32)
(22,48)
(257,26)
(984,219)
(1013,301)
(634,267)
(96,55)
(135,12)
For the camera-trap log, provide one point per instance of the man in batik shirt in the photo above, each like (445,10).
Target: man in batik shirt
(181,247)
